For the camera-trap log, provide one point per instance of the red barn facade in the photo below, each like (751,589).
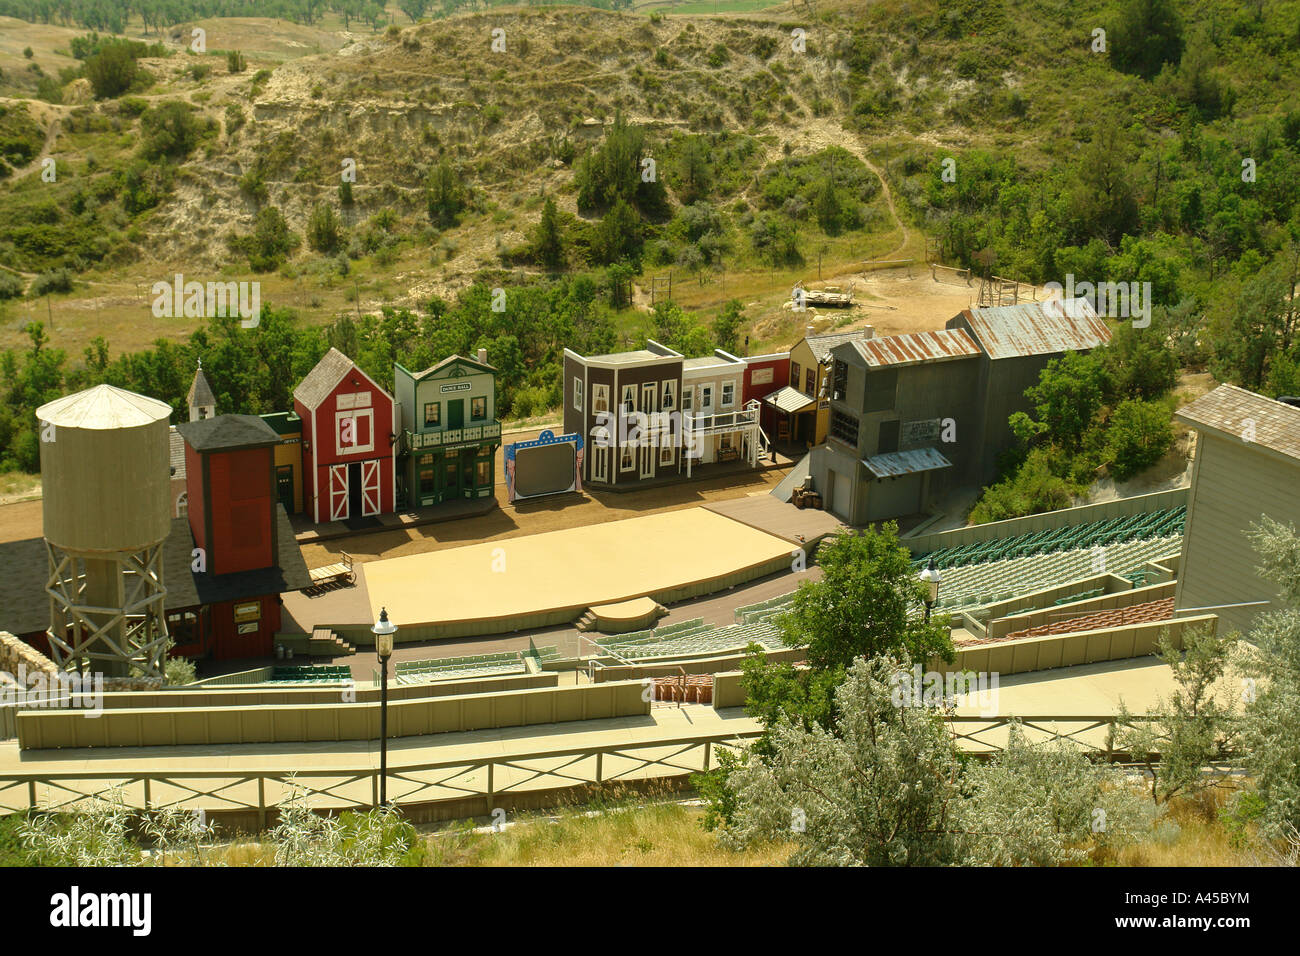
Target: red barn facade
(349,445)
(765,374)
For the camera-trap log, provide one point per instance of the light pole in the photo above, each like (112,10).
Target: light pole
(383,631)
(930,578)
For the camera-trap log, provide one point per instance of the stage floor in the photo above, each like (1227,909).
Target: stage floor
(546,578)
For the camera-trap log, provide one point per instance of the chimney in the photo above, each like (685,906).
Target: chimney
(482,356)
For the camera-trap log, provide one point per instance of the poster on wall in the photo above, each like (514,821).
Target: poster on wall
(549,464)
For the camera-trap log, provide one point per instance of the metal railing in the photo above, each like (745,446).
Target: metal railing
(260,791)
(417,441)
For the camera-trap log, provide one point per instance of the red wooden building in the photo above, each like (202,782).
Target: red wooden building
(349,442)
(247,553)
(765,374)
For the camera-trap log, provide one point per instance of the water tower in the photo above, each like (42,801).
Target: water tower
(104,472)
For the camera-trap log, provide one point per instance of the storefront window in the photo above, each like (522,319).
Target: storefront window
(478,409)
(432,414)
(484,476)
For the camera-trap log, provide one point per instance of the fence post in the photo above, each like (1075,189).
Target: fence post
(490,768)
(261,802)
(600,755)
(708,752)
(31,794)
(146,794)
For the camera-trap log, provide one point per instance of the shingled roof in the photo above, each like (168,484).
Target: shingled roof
(25,607)
(1245,417)
(225,432)
(200,391)
(321,380)
(821,345)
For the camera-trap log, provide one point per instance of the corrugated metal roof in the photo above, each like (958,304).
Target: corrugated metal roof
(821,345)
(917,347)
(789,400)
(1037,328)
(1247,417)
(897,463)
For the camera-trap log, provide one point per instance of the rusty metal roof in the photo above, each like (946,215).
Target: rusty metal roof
(917,347)
(897,463)
(1246,417)
(1036,328)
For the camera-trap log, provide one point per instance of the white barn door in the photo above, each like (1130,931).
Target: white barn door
(370,487)
(338,493)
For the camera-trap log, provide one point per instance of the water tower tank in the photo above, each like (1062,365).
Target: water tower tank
(105,473)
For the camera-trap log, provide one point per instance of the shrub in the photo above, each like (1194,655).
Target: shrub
(56,280)
(324,231)
(111,71)
(235,62)
(169,130)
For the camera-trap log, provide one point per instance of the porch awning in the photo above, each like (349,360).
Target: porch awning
(789,400)
(897,463)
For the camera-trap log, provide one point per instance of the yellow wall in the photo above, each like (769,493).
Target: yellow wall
(802,356)
(289,452)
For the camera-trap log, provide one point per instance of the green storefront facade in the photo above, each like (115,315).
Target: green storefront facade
(450,432)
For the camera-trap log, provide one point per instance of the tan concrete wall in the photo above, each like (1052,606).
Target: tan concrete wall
(727,690)
(1065,650)
(1002,626)
(290,694)
(138,727)
(699,665)
(1232,486)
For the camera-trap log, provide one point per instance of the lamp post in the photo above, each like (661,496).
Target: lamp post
(930,578)
(383,631)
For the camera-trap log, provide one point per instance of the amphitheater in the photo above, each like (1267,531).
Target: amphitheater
(1066,607)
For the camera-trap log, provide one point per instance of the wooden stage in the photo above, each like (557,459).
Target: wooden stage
(546,579)
(764,512)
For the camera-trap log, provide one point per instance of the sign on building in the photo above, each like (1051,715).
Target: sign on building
(918,433)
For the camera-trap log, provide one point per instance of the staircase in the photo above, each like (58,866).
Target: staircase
(322,642)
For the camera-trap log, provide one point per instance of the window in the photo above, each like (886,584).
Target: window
(478,408)
(354,431)
(844,427)
(728,394)
(666,454)
(483,475)
(432,414)
(794,374)
(725,440)
(888,439)
(599,398)
(626,461)
(688,398)
(706,397)
(841,380)
(629,398)
(577,394)
(881,388)
(427,481)
(670,395)
(810,381)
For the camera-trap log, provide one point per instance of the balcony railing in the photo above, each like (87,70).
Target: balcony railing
(717,422)
(469,434)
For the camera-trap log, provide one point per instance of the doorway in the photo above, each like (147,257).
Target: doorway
(354,490)
(284,486)
(455,413)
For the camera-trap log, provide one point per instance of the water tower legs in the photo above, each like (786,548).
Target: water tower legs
(106,611)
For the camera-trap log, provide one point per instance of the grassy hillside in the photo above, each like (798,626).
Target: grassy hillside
(777,158)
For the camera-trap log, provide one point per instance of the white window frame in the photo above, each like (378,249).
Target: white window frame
(688,398)
(577,393)
(353,413)
(631,454)
(706,398)
(627,403)
(668,402)
(728,394)
(599,398)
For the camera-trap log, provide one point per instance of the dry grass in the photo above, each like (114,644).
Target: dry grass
(1199,840)
(664,834)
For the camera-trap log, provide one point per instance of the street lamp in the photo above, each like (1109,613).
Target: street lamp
(930,578)
(383,630)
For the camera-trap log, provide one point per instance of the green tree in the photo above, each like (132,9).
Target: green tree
(270,242)
(111,71)
(878,788)
(444,195)
(619,236)
(694,172)
(828,207)
(324,231)
(548,243)
(866,603)
(1194,728)
(1146,35)
(726,327)
(169,130)
(1068,396)
(1138,435)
